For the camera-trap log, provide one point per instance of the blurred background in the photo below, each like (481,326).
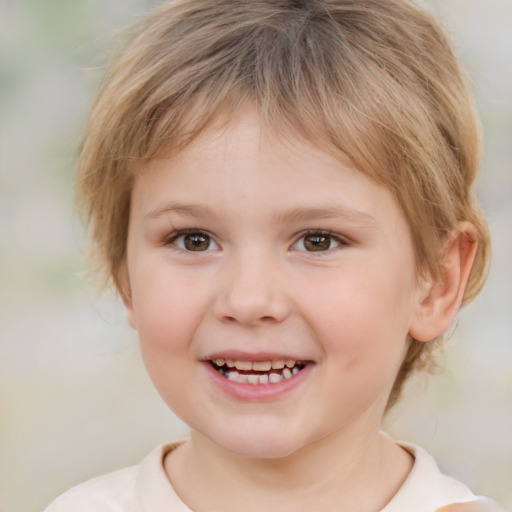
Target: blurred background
(75,400)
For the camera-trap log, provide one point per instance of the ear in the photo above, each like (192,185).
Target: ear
(442,295)
(126,294)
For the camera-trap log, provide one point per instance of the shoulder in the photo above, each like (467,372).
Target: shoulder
(427,489)
(107,493)
(139,488)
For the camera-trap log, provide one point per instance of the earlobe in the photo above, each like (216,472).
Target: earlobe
(443,294)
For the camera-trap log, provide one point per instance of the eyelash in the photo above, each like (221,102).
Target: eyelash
(340,241)
(172,239)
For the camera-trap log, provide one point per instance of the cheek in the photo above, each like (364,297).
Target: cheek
(166,322)
(361,319)
(165,316)
(353,300)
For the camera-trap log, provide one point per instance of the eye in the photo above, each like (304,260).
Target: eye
(194,241)
(317,241)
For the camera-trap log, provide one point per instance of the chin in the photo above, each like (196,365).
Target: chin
(258,444)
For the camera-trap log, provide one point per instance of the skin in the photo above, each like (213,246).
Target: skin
(346,309)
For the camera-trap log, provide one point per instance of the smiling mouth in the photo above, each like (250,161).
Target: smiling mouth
(257,372)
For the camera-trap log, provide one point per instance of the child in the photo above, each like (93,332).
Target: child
(282,193)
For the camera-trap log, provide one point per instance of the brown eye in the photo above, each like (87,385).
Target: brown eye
(317,242)
(195,241)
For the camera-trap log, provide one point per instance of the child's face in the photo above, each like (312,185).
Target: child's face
(255,251)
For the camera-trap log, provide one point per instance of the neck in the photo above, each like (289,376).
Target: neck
(342,471)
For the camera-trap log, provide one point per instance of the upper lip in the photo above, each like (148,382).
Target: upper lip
(240,355)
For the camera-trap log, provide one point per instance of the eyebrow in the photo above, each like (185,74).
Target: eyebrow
(324,213)
(185,210)
(298,214)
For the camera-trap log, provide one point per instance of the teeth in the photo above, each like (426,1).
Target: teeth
(243,365)
(259,366)
(286,370)
(275,377)
(266,378)
(262,366)
(253,379)
(263,378)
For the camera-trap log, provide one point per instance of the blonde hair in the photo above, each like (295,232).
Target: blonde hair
(376,81)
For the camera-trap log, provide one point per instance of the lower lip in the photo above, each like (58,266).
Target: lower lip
(245,391)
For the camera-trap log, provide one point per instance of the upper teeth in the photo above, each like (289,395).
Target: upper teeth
(260,366)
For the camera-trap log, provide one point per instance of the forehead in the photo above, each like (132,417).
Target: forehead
(240,168)
(248,136)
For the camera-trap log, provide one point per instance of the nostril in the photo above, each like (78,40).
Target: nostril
(265,319)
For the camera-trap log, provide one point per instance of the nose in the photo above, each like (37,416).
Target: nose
(251,293)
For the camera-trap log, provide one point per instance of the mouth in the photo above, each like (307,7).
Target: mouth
(257,372)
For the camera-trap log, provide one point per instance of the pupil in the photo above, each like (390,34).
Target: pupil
(197,242)
(317,242)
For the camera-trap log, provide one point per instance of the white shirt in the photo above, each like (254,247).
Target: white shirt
(146,488)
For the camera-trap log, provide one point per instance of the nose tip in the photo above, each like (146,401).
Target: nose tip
(250,315)
(251,298)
